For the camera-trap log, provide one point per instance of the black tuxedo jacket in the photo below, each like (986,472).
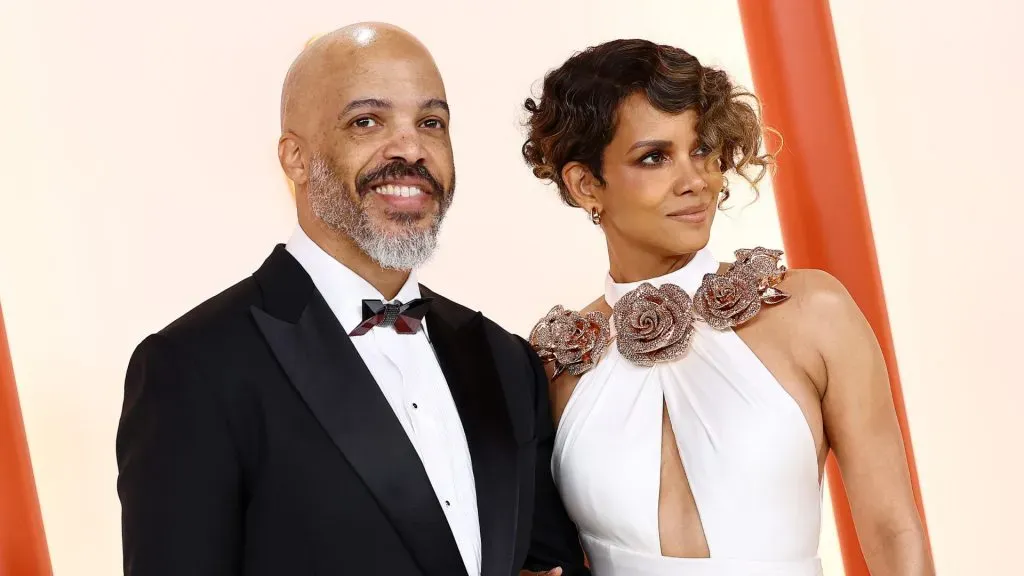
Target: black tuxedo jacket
(254,441)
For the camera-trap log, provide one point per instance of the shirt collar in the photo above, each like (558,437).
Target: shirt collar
(343,289)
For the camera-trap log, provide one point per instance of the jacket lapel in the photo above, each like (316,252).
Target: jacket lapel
(461,343)
(321,362)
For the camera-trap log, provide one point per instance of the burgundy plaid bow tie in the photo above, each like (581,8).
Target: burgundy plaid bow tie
(406,318)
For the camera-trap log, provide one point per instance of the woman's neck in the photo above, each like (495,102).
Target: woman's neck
(627,265)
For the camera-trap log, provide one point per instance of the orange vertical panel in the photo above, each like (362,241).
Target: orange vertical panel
(23,550)
(818,187)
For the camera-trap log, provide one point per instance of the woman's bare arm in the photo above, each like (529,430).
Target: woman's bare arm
(862,428)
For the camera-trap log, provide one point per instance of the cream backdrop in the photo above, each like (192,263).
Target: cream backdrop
(140,177)
(935,89)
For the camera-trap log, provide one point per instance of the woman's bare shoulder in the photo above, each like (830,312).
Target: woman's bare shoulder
(817,291)
(814,292)
(812,303)
(823,309)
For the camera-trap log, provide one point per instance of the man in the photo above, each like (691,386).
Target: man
(328,415)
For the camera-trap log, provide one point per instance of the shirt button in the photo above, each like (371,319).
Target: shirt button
(415,405)
(447,503)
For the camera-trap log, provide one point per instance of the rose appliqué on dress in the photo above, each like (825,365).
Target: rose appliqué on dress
(655,325)
(732,299)
(763,265)
(724,301)
(574,342)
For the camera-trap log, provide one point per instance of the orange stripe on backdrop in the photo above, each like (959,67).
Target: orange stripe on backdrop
(818,187)
(23,550)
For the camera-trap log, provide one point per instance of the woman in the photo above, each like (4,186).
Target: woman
(696,401)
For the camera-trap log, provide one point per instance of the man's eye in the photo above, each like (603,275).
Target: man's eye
(364,123)
(433,123)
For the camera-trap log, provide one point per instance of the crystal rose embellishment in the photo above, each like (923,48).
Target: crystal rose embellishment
(731,299)
(726,301)
(763,265)
(657,324)
(653,324)
(573,341)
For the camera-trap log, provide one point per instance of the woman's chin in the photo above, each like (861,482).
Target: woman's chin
(689,243)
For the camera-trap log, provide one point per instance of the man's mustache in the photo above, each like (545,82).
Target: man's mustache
(399,169)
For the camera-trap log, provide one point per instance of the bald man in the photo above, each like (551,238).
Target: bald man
(329,415)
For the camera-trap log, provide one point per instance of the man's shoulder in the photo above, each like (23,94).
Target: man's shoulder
(217,317)
(498,336)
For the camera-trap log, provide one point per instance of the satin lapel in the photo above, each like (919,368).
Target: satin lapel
(324,366)
(467,362)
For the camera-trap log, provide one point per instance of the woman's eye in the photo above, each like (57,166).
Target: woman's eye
(364,123)
(702,151)
(652,159)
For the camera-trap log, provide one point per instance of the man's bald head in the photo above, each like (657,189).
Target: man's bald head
(336,55)
(364,137)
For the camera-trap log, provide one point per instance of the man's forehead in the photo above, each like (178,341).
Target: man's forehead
(383,67)
(398,81)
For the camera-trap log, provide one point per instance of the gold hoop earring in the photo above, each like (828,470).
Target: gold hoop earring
(595,216)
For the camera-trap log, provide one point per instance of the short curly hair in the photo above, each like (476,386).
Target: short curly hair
(575,118)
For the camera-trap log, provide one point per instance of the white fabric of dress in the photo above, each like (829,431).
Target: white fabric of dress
(746,447)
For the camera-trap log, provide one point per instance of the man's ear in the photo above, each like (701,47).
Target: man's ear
(291,153)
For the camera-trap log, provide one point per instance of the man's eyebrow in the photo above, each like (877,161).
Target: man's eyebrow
(371,103)
(435,103)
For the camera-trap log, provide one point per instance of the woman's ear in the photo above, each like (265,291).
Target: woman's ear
(582,186)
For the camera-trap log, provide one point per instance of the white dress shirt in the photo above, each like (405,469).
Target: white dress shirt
(407,371)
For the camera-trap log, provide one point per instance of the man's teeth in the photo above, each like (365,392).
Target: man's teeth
(403,191)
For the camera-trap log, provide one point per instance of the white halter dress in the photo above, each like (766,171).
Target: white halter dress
(746,447)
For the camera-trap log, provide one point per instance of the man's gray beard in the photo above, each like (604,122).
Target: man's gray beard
(332,203)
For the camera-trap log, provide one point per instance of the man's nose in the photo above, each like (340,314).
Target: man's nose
(405,144)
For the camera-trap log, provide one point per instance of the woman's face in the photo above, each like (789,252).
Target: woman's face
(661,186)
